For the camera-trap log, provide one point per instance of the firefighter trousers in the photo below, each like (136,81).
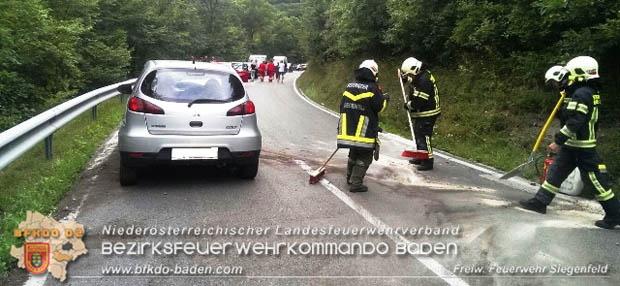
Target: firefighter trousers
(593,174)
(423,129)
(359,161)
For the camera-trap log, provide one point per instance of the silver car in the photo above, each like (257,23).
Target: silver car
(184,112)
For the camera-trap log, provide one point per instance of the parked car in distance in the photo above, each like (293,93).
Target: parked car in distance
(184,112)
(301,67)
(242,69)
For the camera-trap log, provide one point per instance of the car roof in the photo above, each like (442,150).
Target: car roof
(158,64)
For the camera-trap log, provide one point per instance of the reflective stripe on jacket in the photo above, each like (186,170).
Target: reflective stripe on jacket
(359,112)
(424,96)
(579,118)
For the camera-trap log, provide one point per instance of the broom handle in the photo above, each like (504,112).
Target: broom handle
(544,129)
(402,89)
(330,157)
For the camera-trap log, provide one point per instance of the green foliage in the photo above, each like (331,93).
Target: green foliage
(355,26)
(33,184)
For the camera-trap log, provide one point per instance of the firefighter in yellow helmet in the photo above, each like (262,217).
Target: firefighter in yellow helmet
(575,143)
(423,105)
(361,103)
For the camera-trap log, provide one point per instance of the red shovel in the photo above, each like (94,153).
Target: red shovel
(413,153)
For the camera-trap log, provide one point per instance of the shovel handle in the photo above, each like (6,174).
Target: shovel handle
(402,89)
(546,126)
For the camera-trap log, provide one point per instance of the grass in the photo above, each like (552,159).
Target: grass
(484,118)
(36,184)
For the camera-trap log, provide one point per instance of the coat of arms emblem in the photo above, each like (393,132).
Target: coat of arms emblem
(37,256)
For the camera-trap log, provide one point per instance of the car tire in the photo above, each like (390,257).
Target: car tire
(128,176)
(249,171)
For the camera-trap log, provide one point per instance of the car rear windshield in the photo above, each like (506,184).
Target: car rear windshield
(181,85)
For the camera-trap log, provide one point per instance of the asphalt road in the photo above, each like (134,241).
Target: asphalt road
(493,231)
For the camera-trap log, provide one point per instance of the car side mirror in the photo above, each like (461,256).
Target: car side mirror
(125,88)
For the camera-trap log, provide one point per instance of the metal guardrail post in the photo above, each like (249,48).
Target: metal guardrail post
(94,112)
(49,147)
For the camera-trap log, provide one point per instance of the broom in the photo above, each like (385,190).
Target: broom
(317,174)
(413,153)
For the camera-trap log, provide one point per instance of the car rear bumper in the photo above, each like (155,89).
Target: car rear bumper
(163,157)
(137,139)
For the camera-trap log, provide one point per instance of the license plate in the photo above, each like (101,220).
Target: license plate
(194,153)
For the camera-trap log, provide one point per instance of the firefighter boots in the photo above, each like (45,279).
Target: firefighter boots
(426,165)
(612,214)
(534,204)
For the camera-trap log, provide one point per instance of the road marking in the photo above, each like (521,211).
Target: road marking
(430,263)
(36,280)
(108,148)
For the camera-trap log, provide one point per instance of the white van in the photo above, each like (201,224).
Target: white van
(277,59)
(259,58)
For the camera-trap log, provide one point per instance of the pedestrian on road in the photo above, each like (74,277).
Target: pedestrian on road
(253,69)
(423,105)
(358,129)
(575,143)
(282,70)
(262,68)
(271,69)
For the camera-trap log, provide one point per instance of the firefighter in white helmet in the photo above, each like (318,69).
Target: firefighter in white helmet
(361,103)
(423,105)
(575,143)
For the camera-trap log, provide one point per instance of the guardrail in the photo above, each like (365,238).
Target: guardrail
(22,137)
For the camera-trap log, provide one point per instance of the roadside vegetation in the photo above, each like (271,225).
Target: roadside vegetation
(32,183)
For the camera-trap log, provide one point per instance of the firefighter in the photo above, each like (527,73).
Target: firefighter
(361,103)
(575,143)
(423,105)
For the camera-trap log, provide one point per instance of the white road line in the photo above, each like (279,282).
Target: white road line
(430,263)
(36,280)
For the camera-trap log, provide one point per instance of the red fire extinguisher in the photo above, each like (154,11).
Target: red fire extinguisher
(546,165)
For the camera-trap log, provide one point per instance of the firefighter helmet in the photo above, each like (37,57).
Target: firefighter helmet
(555,73)
(582,68)
(411,66)
(371,65)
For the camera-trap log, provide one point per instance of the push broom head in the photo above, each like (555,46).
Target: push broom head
(415,154)
(316,175)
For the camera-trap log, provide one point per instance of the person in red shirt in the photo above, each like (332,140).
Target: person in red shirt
(271,68)
(261,70)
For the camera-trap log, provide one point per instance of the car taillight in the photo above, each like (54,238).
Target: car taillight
(140,105)
(242,109)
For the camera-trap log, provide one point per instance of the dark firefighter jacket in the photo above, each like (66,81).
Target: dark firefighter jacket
(359,112)
(424,96)
(579,118)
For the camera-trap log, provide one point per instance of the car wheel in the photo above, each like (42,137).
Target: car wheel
(128,176)
(248,171)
